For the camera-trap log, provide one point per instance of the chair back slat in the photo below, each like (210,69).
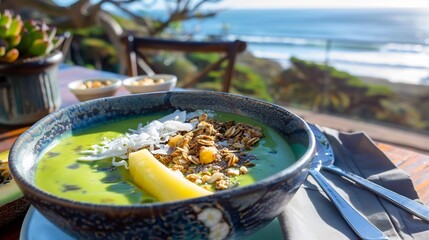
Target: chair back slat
(205,71)
(137,48)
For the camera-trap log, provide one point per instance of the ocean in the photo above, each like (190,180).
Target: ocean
(391,44)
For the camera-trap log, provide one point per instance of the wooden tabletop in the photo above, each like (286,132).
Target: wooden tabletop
(413,163)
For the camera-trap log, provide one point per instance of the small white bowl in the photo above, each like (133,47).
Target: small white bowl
(168,83)
(84,94)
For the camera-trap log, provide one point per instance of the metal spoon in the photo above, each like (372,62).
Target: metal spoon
(407,204)
(360,225)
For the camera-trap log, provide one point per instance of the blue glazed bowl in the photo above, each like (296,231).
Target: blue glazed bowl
(240,211)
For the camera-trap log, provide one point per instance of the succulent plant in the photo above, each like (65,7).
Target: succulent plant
(21,39)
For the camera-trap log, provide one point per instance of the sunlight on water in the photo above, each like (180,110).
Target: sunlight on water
(392,44)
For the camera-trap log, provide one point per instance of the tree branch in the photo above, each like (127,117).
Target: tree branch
(47,7)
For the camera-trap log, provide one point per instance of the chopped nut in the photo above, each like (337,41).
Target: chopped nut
(215,177)
(221,184)
(147,81)
(95,84)
(205,178)
(193,177)
(233,172)
(202,117)
(177,167)
(243,170)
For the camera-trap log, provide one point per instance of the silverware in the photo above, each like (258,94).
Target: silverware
(401,201)
(360,225)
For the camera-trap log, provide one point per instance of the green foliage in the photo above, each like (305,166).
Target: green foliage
(246,80)
(127,24)
(98,51)
(91,48)
(213,80)
(319,87)
(21,39)
(323,87)
(402,113)
(202,59)
(251,83)
(375,90)
(98,46)
(175,63)
(88,32)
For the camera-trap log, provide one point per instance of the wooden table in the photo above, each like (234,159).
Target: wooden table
(413,163)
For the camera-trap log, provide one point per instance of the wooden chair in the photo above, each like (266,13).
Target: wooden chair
(137,57)
(64,47)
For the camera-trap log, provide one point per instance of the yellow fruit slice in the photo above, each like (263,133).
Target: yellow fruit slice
(158,180)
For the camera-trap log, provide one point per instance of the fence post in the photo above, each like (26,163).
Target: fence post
(326,78)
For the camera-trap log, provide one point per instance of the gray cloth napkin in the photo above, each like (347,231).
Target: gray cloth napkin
(311,215)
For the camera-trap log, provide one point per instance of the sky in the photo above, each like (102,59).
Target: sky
(323,4)
(276,4)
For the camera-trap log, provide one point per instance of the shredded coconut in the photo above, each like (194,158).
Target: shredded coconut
(154,135)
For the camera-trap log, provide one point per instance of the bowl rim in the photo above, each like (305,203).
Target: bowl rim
(72,86)
(303,162)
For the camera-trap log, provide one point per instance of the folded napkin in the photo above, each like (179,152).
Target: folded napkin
(311,215)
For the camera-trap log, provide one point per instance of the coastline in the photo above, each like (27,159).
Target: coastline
(392,44)
(405,68)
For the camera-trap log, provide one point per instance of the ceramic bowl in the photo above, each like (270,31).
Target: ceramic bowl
(154,83)
(99,88)
(241,211)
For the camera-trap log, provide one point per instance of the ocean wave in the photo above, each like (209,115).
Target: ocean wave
(279,40)
(374,67)
(386,59)
(406,48)
(333,43)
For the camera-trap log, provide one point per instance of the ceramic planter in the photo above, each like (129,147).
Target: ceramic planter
(29,89)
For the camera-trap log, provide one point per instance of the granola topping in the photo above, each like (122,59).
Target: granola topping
(214,152)
(205,151)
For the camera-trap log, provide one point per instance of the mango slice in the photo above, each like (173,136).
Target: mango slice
(158,180)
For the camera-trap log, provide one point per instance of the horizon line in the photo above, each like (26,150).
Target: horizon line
(422,8)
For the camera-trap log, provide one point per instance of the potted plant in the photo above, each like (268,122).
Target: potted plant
(29,61)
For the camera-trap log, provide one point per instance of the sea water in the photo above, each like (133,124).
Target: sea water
(391,44)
